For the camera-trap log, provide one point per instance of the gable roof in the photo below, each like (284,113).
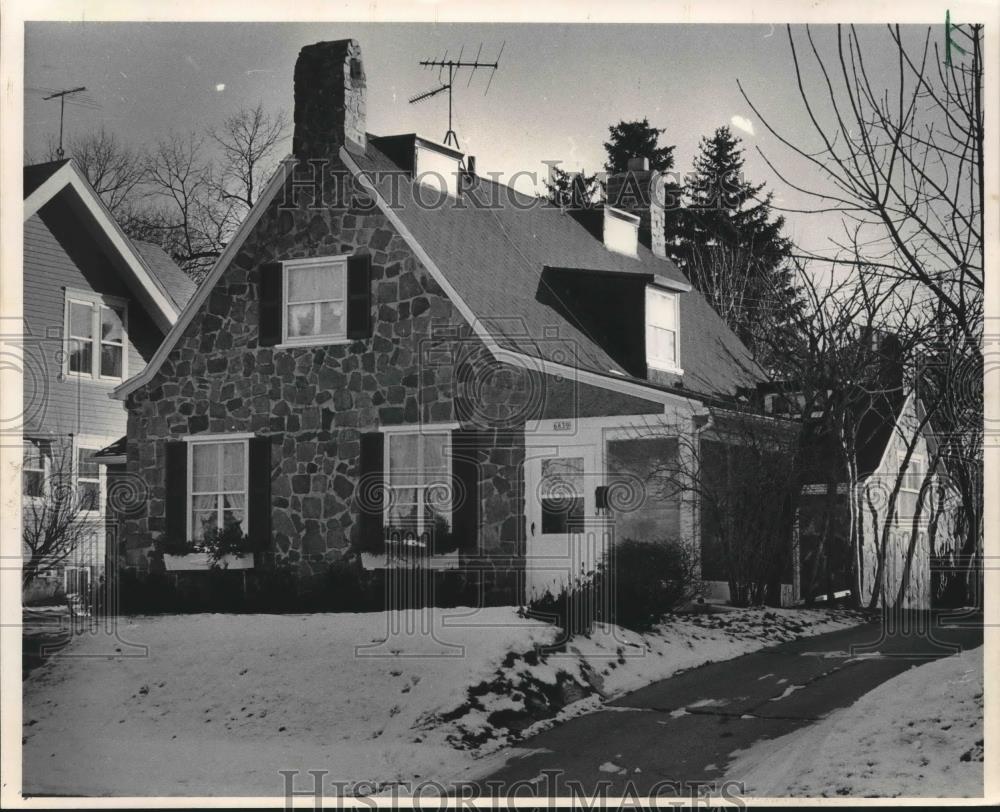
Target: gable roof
(36,174)
(493,245)
(488,255)
(42,182)
(178,284)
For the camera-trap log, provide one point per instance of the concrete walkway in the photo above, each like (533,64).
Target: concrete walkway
(677,735)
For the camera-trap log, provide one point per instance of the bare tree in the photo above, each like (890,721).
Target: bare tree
(185,212)
(903,156)
(57,521)
(114,168)
(249,140)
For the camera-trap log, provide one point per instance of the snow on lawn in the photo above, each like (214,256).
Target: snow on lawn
(222,702)
(919,734)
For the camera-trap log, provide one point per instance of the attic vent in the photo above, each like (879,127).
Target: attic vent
(621,231)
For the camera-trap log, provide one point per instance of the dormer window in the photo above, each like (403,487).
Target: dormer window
(663,330)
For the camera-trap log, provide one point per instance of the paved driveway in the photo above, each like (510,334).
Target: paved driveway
(679,733)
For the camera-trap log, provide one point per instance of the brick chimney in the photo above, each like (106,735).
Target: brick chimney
(329,99)
(641,192)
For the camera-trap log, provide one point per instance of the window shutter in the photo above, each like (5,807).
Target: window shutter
(259,479)
(465,445)
(372,493)
(359,296)
(176,487)
(269,305)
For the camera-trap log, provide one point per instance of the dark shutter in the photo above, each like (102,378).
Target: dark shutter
(259,510)
(359,296)
(371,493)
(176,487)
(269,306)
(465,446)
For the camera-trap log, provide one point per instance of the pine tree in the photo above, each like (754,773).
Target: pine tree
(732,250)
(636,139)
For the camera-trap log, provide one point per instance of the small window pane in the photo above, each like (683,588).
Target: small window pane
(111,361)
(661,310)
(315,284)
(331,318)
(203,522)
(112,325)
(403,459)
(80,357)
(435,446)
(89,494)
(233,509)
(81,320)
(302,321)
(204,468)
(86,465)
(232,467)
(34,483)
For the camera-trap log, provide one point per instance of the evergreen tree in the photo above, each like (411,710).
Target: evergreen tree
(732,250)
(636,139)
(576,190)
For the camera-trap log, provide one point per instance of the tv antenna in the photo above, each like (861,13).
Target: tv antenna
(61,95)
(454,66)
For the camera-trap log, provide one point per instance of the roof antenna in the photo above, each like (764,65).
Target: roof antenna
(454,66)
(61,95)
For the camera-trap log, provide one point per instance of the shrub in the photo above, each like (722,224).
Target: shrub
(648,580)
(575,608)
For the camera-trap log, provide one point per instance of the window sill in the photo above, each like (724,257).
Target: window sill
(73,376)
(665,368)
(298,345)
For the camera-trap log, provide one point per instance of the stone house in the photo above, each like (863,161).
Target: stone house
(96,306)
(400,358)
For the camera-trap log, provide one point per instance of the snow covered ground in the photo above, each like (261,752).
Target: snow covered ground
(918,734)
(221,703)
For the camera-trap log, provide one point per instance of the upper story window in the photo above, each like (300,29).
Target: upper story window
(315,297)
(36,467)
(663,329)
(916,470)
(96,332)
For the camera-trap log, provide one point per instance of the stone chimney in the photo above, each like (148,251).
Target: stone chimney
(641,192)
(329,99)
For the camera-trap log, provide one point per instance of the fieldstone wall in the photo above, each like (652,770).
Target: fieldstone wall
(314,402)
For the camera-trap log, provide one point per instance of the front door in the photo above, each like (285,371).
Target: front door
(566,537)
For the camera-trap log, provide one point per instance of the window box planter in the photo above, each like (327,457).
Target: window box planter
(201,561)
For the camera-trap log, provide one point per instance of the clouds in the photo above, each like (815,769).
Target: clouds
(741,123)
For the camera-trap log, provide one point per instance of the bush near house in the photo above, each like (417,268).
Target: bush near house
(636,586)
(345,586)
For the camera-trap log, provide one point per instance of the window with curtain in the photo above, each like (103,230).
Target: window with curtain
(418,479)
(217,486)
(315,297)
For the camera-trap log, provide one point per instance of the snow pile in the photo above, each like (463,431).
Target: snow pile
(221,703)
(919,734)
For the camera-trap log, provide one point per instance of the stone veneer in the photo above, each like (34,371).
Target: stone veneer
(314,402)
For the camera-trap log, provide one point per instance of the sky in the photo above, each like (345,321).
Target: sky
(558,89)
